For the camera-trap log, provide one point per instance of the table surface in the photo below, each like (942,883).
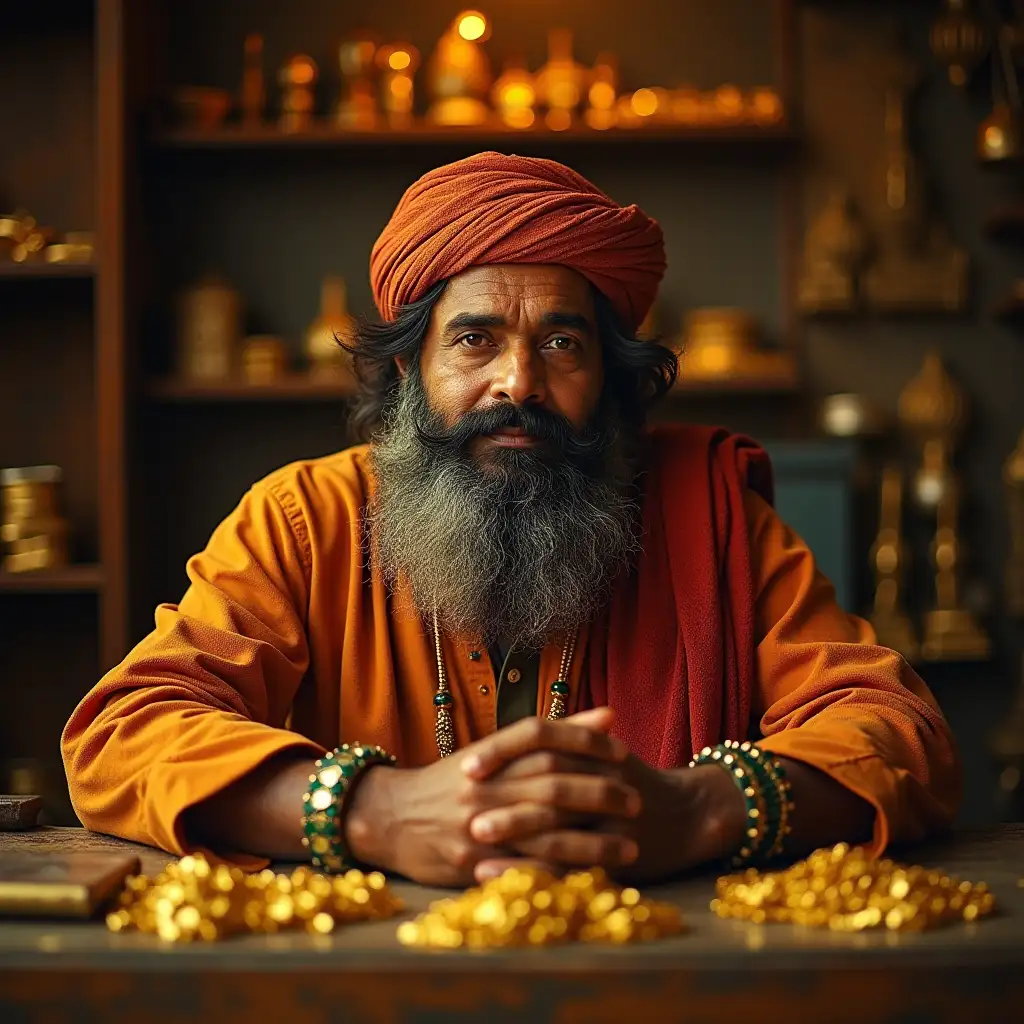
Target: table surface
(719,970)
(995,856)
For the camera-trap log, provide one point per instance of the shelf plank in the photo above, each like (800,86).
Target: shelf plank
(781,380)
(9,269)
(324,134)
(72,578)
(291,388)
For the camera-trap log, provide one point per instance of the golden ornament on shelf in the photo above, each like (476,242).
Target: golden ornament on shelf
(764,106)
(514,95)
(958,40)
(298,101)
(932,410)
(357,106)
(77,247)
(253,99)
(22,238)
(723,344)
(209,330)
(459,73)
(333,324)
(688,107)
(603,94)
(190,900)
(917,266)
(835,250)
(264,359)
(844,889)
(529,907)
(32,533)
(728,104)
(561,81)
(891,623)
(398,63)
(202,107)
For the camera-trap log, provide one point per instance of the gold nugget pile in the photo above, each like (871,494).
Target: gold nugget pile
(845,890)
(528,907)
(192,900)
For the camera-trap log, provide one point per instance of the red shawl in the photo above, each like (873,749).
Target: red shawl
(679,666)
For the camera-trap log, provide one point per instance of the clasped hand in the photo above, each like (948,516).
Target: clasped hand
(556,794)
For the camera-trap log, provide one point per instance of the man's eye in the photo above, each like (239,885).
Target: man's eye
(473,340)
(563,343)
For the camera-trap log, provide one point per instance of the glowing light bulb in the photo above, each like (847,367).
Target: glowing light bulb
(472,26)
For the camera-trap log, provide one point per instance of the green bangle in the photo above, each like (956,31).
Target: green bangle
(761,780)
(324,801)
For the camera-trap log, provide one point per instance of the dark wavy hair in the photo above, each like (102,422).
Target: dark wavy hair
(638,373)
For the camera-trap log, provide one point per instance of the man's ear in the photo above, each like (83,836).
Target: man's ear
(403,364)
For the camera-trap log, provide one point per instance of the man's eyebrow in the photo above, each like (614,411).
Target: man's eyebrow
(576,320)
(462,321)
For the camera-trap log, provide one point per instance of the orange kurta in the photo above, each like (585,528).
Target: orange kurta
(285,640)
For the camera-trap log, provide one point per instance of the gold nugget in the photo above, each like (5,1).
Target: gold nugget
(528,907)
(190,899)
(845,890)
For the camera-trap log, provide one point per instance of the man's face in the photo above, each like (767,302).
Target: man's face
(517,335)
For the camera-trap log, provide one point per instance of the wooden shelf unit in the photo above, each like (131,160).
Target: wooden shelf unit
(169,204)
(324,134)
(71,579)
(32,271)
(290,388)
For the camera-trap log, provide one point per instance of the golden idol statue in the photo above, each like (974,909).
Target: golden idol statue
(254,90)
(835,249)
(561,81)
(459,74)
(357,106)
(326,357)
(514,95)
(398,63)
(888,559)
(298,102)
(932,410)
(917,266)
(603,94)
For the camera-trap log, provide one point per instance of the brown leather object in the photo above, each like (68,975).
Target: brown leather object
(18,813)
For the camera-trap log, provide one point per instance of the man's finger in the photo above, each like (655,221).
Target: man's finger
(580,849)
(521,821)
(584,734)
(602,795)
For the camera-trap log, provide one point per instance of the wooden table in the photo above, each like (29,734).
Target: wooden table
(719,971)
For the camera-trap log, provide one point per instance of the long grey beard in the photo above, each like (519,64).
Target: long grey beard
(526,549)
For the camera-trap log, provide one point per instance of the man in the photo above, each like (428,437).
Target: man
(537,605)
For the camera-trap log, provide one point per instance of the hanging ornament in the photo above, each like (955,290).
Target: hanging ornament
(958,40)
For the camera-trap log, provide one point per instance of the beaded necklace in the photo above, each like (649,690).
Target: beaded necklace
(444,730)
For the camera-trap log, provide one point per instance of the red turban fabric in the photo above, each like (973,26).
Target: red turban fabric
(495,208)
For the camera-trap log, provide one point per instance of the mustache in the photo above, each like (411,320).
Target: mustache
(544,424)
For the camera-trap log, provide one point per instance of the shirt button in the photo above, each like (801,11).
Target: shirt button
(485,690)
(514,675)
(474,655)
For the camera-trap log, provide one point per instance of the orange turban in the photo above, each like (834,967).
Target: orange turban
(495,208)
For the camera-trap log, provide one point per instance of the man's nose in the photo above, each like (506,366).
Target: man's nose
(519,377)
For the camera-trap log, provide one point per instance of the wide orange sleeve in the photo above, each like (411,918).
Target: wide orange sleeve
(830,697)
(204,698)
